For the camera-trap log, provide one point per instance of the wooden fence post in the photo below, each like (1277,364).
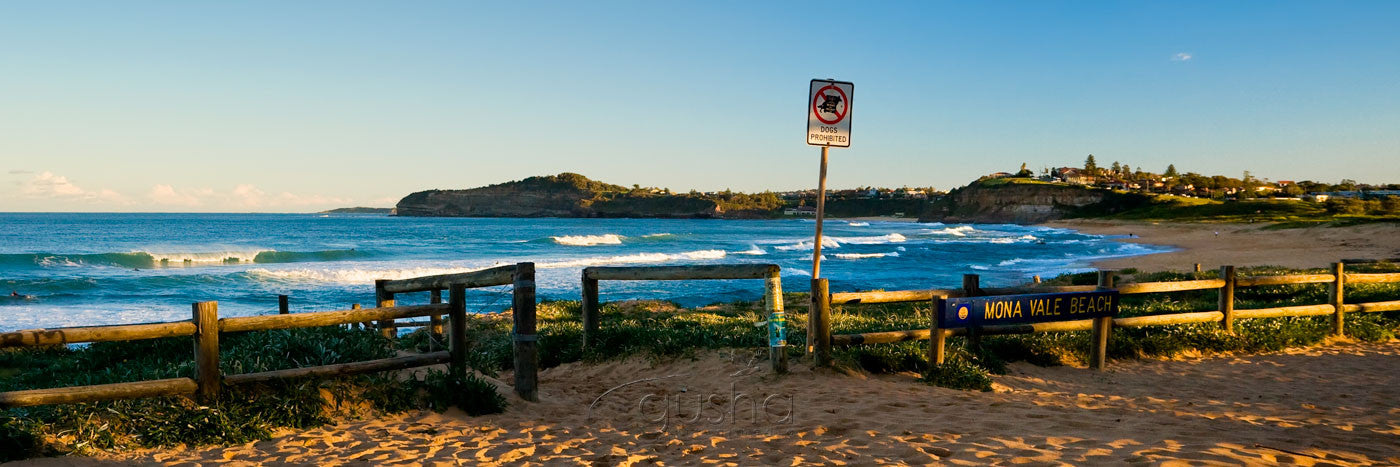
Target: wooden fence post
(972,288)
(819,323)
(282,307)
(1103,326)
(206,349)
(523,313)
(1227,299)
(777,322)
(435,320)
(384,299)
(1198,267)
(937,338)
(1336,296)
(589,310)
(457,318)
(356,306)
(1035,279)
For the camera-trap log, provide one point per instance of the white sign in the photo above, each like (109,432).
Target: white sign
(829,113)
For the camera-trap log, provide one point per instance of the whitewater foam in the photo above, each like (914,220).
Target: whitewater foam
(959,231)
(588,240)
(634,259)
(866,255)
(753,250)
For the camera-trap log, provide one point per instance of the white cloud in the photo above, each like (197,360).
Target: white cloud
(1181,57)
(47,190)
(241,197)
(167,195)
(47,185)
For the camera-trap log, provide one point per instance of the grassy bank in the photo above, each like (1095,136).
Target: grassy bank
(651,329)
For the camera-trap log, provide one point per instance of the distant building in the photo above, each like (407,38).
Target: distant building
(801,211)
(1316,197)
(1073,175)
(999,175)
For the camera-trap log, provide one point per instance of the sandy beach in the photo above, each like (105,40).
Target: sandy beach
(1332,405)
(1214,245)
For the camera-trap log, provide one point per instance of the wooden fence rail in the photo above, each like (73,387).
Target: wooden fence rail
(1225,315)
(206,326)
(772,294)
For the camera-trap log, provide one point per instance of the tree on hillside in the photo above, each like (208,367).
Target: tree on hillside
(1171,170)
(1024,172)
(1089,164)
(1127,170)
(1117,168)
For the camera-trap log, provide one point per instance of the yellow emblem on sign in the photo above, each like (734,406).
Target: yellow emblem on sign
(962,312)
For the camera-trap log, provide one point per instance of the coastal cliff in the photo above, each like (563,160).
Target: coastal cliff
(573,195)
(1017,202)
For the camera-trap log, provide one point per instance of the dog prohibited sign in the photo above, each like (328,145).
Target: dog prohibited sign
(829,113)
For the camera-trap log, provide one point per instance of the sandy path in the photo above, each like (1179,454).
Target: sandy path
(1329,405)
(1244,244)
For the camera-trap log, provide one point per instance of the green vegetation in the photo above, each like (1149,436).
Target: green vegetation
(240,415)
(1289,213)
(647,329)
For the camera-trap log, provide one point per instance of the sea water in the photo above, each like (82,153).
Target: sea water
(91,269)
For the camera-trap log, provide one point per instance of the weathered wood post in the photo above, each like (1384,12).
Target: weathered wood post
(435,320)
(1198,267)
(589,310)
(937,337)
(457,318)
(206,349)
(356,306)
(819,323)
(282,307)
(384,299)
(1227,299)
(1336,297)
(971,287)
(1103,326)
(777,321)
(1035,279)
(523,314)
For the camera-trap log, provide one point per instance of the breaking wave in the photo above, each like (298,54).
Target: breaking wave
(145,259)
(635,258)
(588,240)
(866,255)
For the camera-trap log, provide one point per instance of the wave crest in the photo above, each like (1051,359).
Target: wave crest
(588,240)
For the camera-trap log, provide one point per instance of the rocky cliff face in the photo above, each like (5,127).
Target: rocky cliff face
(1015,203)
(563,195)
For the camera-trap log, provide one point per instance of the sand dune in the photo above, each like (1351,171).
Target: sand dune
(1334,405)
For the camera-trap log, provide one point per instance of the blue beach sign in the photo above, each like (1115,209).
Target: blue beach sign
(1026,309)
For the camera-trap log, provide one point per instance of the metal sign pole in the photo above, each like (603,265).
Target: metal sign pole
(821,213)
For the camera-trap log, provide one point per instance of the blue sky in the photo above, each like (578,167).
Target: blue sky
(299,106)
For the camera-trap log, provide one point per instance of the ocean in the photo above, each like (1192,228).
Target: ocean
(79,269)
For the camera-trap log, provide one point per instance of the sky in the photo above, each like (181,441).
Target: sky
(302,106)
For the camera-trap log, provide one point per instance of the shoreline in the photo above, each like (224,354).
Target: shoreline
(1215,245)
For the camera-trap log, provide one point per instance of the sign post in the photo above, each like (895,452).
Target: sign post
(974,312)
(828,124)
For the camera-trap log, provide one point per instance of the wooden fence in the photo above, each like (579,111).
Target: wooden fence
(205,328)
(772,294)
(1226,314)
